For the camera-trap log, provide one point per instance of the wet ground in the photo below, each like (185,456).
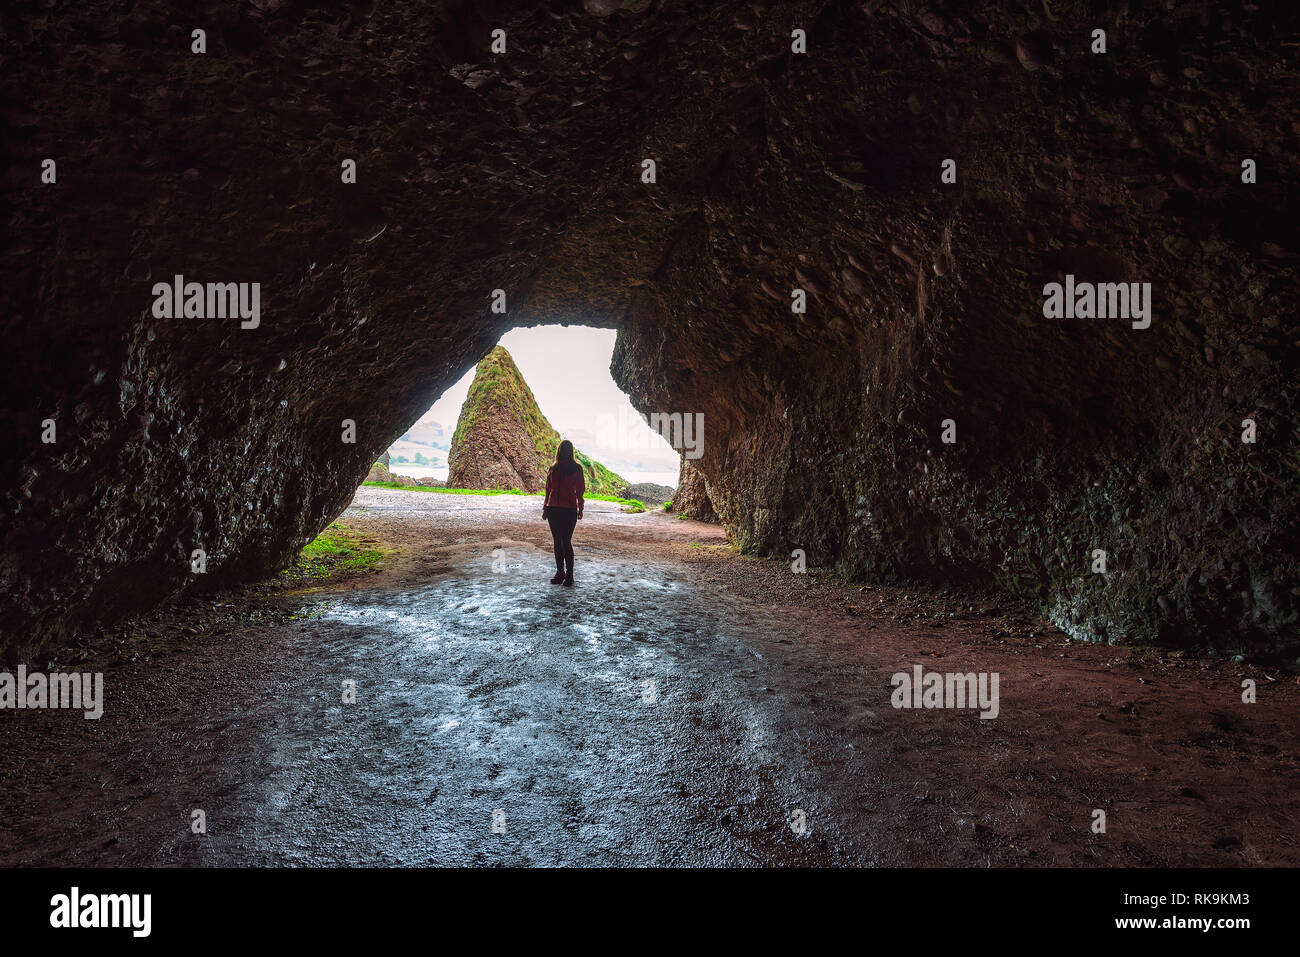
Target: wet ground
(680,705)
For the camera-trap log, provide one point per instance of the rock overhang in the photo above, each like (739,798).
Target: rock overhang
(774,171)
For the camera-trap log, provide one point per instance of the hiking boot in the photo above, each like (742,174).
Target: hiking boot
(568,579)
(559,577)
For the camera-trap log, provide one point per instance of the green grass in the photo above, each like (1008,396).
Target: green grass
(336,549)
(633,505)
(341,545)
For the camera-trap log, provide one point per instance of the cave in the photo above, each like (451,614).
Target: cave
(836,253)
(523,172)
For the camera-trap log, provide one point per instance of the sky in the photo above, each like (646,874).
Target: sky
(567,367)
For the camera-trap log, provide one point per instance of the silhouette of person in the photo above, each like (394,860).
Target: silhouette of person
(562,507)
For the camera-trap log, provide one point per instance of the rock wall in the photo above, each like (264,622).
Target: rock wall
(925,304)
(175,435)
(692,496)
(774,170)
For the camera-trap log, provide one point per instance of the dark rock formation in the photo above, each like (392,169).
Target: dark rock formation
(692,496)
(502,440)
(648,493)
(774,170)
(380,473)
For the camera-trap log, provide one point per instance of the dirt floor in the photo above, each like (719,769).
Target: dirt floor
(682,704)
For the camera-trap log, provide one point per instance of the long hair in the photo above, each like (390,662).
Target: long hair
(565,464)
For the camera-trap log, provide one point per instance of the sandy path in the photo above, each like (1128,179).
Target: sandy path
(678,706)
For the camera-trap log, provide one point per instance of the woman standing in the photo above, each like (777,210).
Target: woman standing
(562,507)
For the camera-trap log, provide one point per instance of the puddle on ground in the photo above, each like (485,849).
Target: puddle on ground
(607,722)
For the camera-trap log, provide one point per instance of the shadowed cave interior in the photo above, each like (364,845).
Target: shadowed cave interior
(523,172)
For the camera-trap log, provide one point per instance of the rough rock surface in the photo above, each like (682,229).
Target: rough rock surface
(774,170)
(692,496)
(379,472)
(502,440)
(648,493)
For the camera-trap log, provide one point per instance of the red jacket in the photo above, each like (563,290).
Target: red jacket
(565,491)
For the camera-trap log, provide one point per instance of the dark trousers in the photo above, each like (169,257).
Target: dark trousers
(562,522)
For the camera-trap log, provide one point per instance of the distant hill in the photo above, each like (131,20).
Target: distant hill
(502,440)
(429,433)
(426,444)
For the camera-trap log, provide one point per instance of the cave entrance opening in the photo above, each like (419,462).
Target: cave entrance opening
(539,384)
